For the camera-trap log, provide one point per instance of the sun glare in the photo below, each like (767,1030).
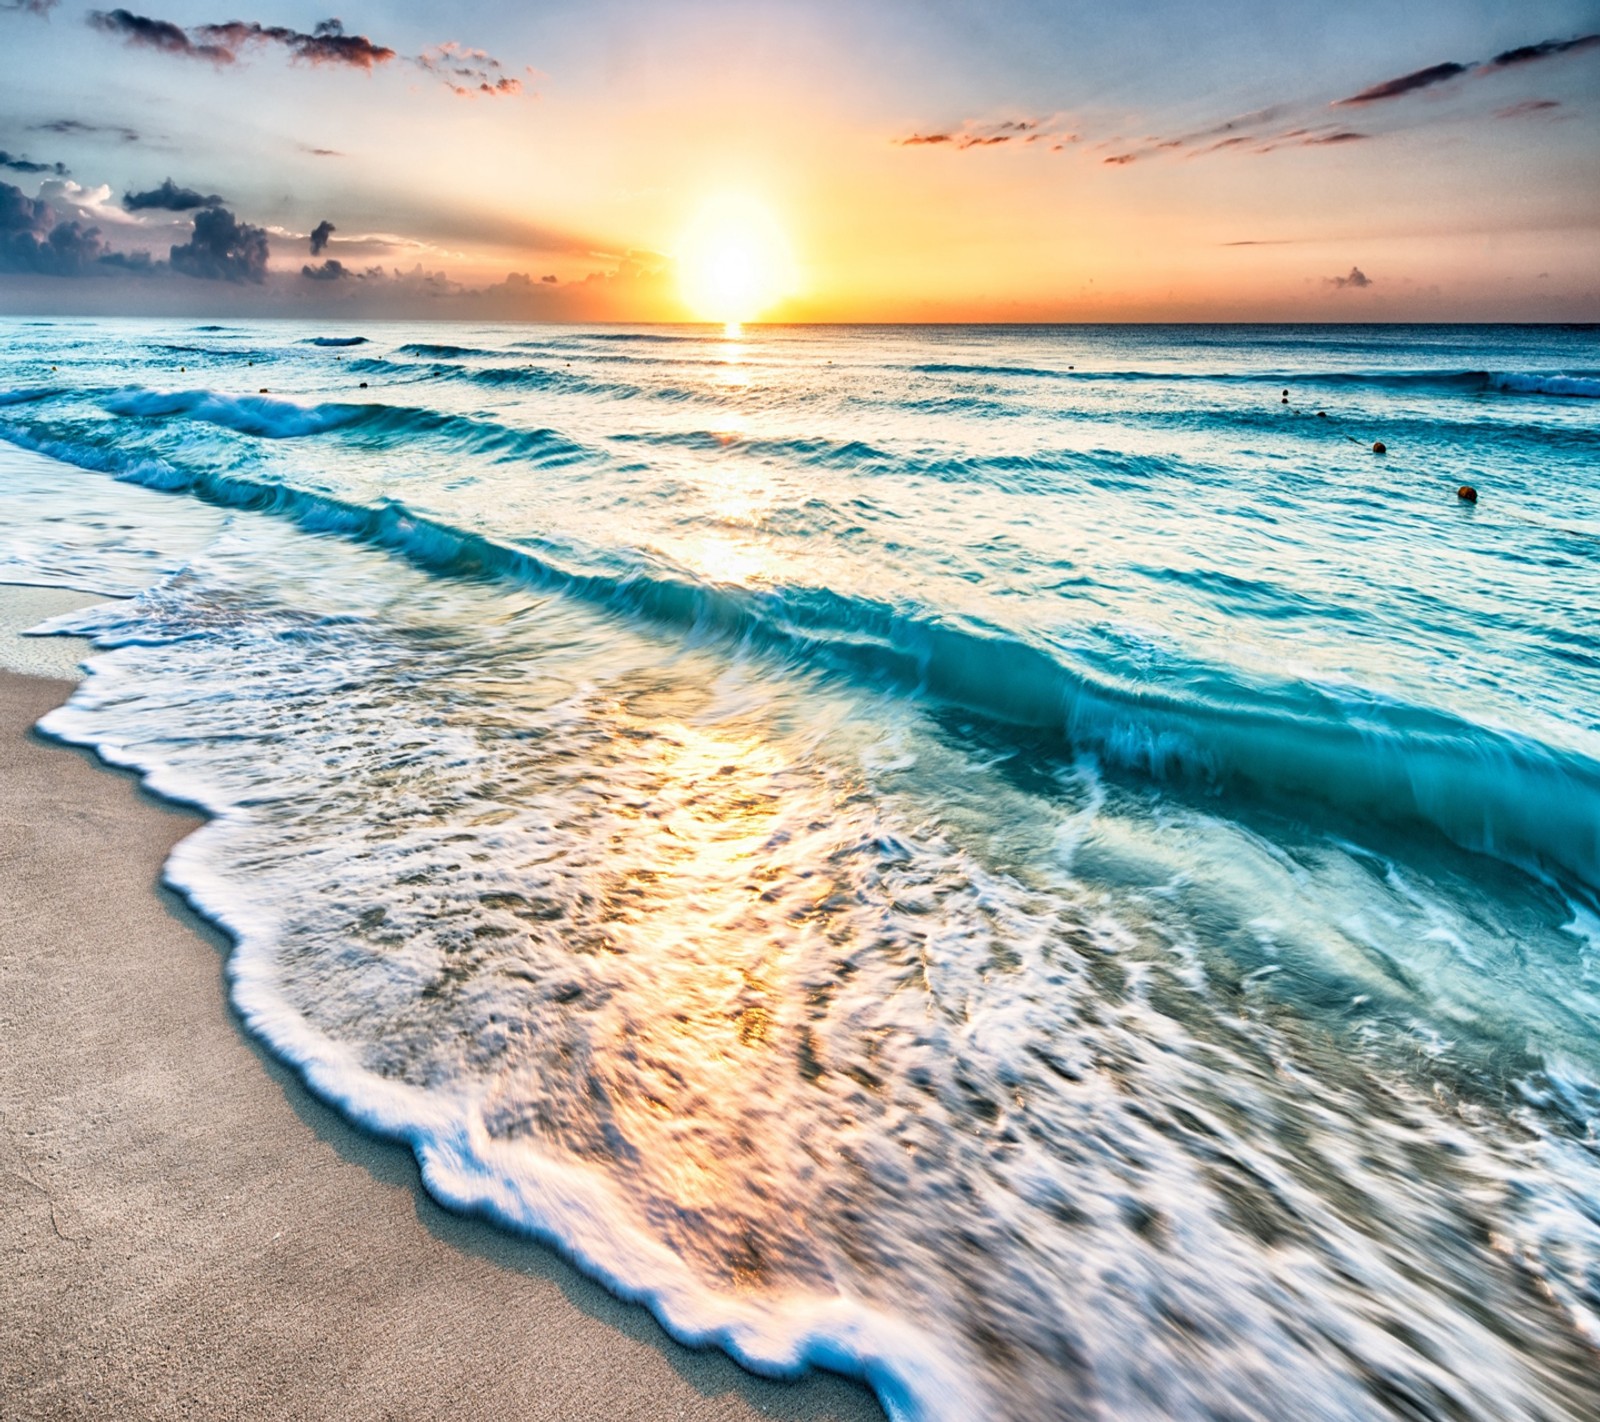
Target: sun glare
(734,263)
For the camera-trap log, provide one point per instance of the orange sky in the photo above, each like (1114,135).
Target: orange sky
(1251,162)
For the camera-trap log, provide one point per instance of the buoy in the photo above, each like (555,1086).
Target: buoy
(1380,448)
(1285,394)
(263,390)
(1467,494)
(183,370)
(52,367)
(363,384)
(1322,414)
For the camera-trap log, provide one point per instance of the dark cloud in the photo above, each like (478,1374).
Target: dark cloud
(18,164)
(917,139)
(32,240)
(321,152)
(1118,160)
(330,270)
(320,235)
(1441,73)
(326,44)
(467,72)
(1357,278)
(1527,106)
(974,140)
(1344,135)
(1544,50)
(40,8)
(547,278)
(75,127)
(222,249)
(145,33)
(220,44)
(1406,84)
(169,197)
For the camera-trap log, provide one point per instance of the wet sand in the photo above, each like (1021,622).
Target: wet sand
(186,1233)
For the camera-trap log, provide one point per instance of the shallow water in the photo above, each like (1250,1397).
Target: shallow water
(1011,862)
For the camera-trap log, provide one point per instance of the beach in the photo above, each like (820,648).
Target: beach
(186,1232)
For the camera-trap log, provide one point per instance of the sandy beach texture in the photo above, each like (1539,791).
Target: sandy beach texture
(185,1232)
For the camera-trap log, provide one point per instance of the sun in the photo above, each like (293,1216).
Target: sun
(734,262)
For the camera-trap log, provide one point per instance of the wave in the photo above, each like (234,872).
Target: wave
(269,418)
(418,348)
(1488,791)
(334,341)
(1583,385)
(27,395)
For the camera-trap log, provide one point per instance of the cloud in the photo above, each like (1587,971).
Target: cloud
(917,139)
(18,164)
(321,152)
(169,197)
(1405,84)
(73,127)
(1544,50)
(220,44)
(94,203)
(1441,73)
(141,32)
(330,270)
(1357,278)
(548,279)
(1344,135)
(320,235)
(467,72)
(1527,106)
(222,249)
(41,8)
(33,240)
(326,44)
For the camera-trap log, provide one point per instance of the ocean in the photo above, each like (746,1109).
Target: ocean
(1027,865)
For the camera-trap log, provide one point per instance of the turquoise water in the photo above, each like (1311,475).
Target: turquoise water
(1029,865)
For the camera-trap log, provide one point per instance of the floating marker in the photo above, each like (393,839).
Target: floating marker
(1380,448)
(1467,494)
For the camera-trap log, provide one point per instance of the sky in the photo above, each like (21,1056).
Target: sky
(804,160)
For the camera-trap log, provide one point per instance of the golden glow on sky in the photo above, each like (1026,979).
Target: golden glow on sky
(734,262)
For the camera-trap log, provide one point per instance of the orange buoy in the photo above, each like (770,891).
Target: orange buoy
(1380,448)
(1467,494)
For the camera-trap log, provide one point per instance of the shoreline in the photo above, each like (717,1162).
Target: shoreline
(188,1231)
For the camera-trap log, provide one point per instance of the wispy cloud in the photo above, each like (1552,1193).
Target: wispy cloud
(220,44)
(142,32)
(41,8)
(75,128)
(1546,49)
(1405,84)
(1526,107)
(1443,73)
(467,72)
(18,164)
(326,44)
(1300,125)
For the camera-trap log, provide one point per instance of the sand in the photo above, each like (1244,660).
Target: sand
(185,1232)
